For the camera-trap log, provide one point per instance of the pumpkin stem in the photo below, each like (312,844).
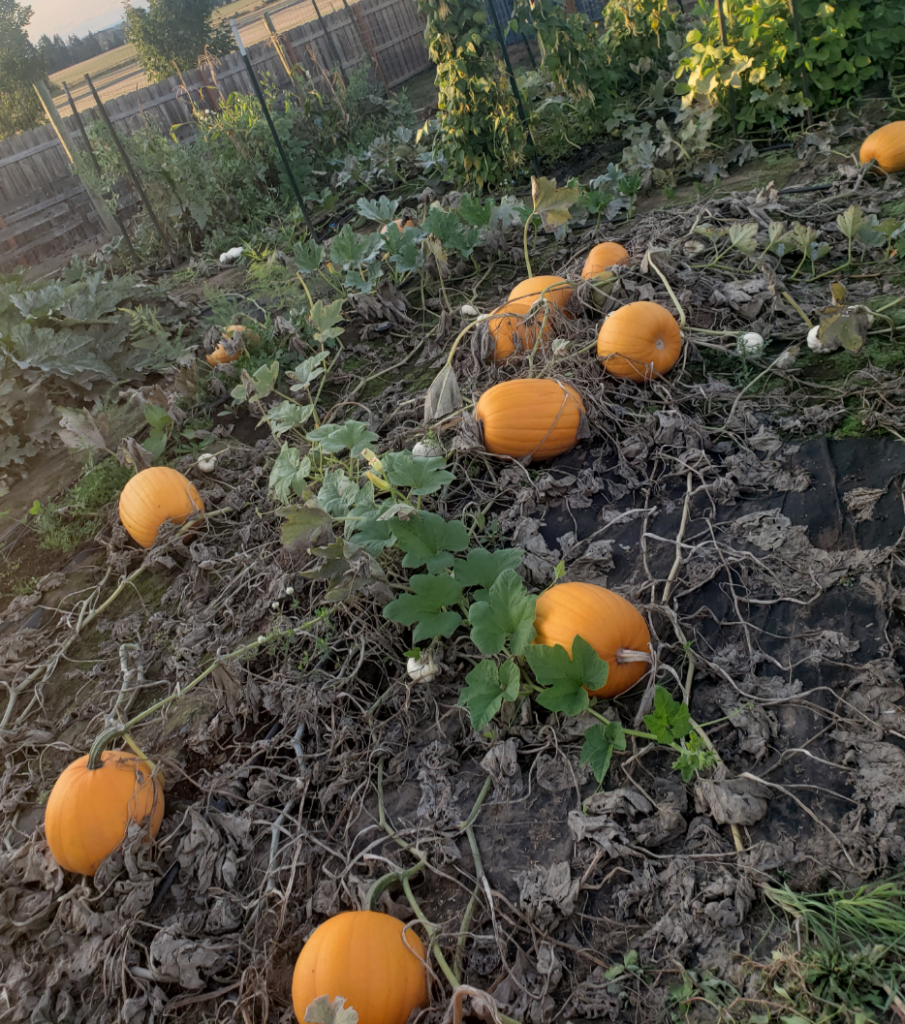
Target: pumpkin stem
(383,883)
(624,656)
(104,739)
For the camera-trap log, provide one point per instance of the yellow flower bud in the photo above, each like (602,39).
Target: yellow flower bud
(377,482)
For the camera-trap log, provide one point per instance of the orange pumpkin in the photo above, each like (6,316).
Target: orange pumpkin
(90,808)
(153,497)
(515,329)
(608,622)
(602,257)
(365,958)
(220,355)
(540,418)
(887,146)
(639,341)
(555,290)
(401,224)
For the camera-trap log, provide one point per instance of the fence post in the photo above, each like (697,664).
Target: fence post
(330,43)
(366,43)
(514,84)
(130,170)
(89,149)
(59,126)
(281,49)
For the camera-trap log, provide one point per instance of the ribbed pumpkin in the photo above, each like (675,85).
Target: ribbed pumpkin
(602,257)
(154,496)
(539,418)
(401,224)
(362,956)
(639,341)
(220,355)
(514,329)
(555,290)
(605,620)
(887,146)
(89,809)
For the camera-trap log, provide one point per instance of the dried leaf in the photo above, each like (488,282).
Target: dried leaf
(552,203)
(443,396)
(322,1011)
(79,429)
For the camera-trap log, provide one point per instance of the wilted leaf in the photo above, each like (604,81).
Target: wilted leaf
(322,1011)
(847,327)
(79,429)
(443,396)
(305,527)
(552,203)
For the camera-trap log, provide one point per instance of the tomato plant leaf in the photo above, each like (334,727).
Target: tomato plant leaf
(424,607)
(422,475)
(599,743)
(566,680)
(488,686)
(670,720)
(428,539)
(507,616)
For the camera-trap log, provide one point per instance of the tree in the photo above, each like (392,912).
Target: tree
(20,66)
(174,32)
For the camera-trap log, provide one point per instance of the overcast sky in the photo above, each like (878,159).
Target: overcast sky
(66,16)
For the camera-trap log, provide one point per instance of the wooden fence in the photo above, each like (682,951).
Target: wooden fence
(45,211)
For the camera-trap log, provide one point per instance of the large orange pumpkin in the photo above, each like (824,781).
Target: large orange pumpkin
(154,496)
(602,257)
(515,329)
(887,146)
(608,622)
(364,957)
(220,355)
(639,341)
(540,418)
(89,809)
(555,290)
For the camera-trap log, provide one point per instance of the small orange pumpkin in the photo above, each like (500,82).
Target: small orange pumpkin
(602,257)
(220,355)
(540,418)
(887,146)
(639,341)
(153,497)
(515,329)
(555,290)
(368,959)
(401,224)
(90,808)
(608,622)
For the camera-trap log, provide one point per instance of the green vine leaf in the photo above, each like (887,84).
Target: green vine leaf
(421,475)
(566,681)
(337,437)
(599,743)
(324,320)
(337,494)
(308,371)
(506,617)
(428,539)
(425,607)
(288,415)
(308,255)
(257,386)
(670,719)
(350,250)
(289,474)
(696,757)
(744,237)
(382,210)
(480,568)
(488,686)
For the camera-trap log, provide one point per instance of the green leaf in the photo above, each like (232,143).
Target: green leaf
(507,616)
(566,680)
(157,416)
(308,255)
(474,213)
(308,371)
(259,385)
(696,757)
(488,686)
(449,231)
(368,531)
(422,475)
(289,473)
(481,567)
(350,250)
(427,539)
(599,743)
(337,437)
(670,719)
(382,210)
(424,608)
(337,494)
(850,222)
(552,203)
(744,237)
(287,416)
(324,319)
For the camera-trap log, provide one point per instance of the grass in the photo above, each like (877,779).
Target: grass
(63,525)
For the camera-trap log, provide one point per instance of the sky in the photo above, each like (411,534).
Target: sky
(68,16)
